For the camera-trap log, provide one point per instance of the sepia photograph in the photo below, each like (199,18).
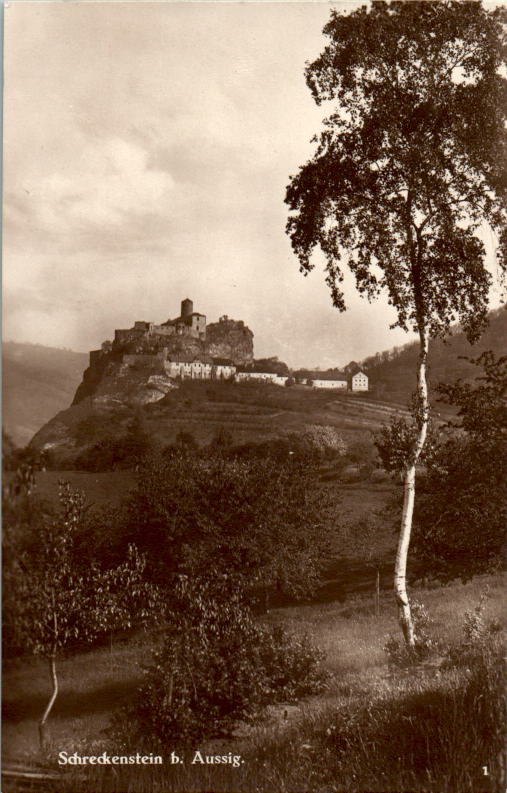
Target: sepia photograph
(254,396)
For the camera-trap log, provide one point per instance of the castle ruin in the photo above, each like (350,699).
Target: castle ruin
(172,348)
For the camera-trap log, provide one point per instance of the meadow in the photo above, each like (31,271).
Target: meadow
(290,750)
(250,412)
(432,727)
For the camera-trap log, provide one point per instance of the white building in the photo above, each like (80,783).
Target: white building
(256,377)
(199,368)
(360,382)
(261,377)
(223,369)
(325,383)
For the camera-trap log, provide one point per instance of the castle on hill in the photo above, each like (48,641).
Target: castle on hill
(186,337)
(187,348)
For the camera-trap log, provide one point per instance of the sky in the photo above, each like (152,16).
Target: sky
(147,149)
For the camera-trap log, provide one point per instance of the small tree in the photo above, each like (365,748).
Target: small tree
(409,165)
(215,668)
(53,601)
(317,442)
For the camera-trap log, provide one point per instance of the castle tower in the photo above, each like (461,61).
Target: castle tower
(187,308)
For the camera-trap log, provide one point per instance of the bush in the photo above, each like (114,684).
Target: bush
(400,654)
(480,641)
(291,665)
(459,517)
(216,668)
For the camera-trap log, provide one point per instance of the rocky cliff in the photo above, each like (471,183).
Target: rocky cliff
(230,338)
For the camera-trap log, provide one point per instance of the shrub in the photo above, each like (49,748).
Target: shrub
(291,665)
(216,668)
(400,655)
(459,518)
(480,641)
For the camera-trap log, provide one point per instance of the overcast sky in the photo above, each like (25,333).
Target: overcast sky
(147,147)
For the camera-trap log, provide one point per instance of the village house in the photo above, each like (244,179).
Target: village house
(342,381)
(359,381)
(329,382)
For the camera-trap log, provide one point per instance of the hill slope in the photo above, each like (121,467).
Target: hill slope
(38,382)
(393,373)
(250,412)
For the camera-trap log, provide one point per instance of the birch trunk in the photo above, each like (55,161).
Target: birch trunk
(54,680)
(400,570)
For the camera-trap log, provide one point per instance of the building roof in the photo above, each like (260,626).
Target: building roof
(180,357)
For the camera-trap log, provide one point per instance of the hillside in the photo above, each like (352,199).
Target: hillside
(392,373)
(250,412)
(38,382)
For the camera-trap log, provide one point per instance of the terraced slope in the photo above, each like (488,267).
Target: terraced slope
(251,413)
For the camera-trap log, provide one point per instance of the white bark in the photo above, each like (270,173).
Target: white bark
(400,570)
(54,680)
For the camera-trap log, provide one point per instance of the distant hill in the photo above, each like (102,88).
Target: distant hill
(393,373)
(38,382)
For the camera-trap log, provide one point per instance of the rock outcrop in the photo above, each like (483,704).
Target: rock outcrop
(230,338)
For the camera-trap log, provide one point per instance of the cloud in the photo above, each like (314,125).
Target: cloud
(109,184)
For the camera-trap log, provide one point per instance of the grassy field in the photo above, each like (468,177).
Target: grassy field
(277,753)
(343,741)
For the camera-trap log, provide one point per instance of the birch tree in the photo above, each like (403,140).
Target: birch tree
(409,168)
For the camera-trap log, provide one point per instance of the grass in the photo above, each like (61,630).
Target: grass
(91,684)
(340,741)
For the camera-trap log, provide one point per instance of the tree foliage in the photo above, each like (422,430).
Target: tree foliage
(54,599)
(459,527)
(113,452)
(216,667)
(258,519)
(411,161)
